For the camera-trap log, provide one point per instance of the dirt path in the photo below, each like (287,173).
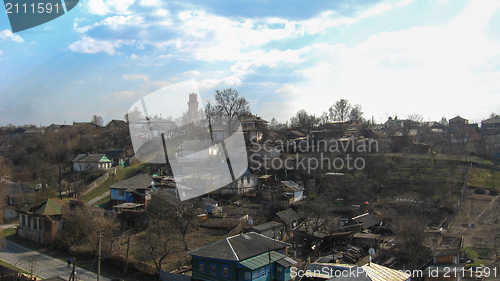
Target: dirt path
(93,201)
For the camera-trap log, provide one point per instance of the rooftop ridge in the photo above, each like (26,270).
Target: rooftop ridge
(231,246)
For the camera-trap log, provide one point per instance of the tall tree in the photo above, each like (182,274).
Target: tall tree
(356,114)
(229,106)
(155,244)
(97,120)
(302,119)
(340,110)
(180,215)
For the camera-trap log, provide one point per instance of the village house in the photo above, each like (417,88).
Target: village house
(133,190)
(39,222)
(365,221)
(243,257)
(272,229)
(491,126)
(289,218)
(196,150)
(254,127)
(248,182)
(16,195)
(118,157)
(212,206)
(445,266)
(91,162)
(295,189)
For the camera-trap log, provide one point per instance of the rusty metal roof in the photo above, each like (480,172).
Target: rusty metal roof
(49,207)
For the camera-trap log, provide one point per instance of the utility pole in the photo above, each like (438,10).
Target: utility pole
(125,270)
(99,257)
(60,181)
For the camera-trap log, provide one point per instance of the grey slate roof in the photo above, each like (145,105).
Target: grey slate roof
(133,183)
(367,220)
(446,252)
(116,153)
(16,188)
(267,225)
(288,216)
(239,247)
(492,120)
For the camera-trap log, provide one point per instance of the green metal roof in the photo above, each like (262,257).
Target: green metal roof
(262,260)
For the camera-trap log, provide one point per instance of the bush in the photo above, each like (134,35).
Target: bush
(493,192)
(480,190)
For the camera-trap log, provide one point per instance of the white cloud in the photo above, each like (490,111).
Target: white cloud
(164,56)
(8,35)
(162,12)
(191,73)
(146,88)
(91,46)
(418,69)
(134,56)
(376,10)
(1,53)
(99,7)
(114,22)
(403,3)
(135,77)
(149,2)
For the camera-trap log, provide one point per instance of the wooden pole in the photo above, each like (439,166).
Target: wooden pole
(125,270)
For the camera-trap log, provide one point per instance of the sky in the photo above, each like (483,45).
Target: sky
(393,57)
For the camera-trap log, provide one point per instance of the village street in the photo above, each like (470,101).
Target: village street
(41,265)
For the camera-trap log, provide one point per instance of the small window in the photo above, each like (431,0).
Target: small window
(121,192)
(23,220)
(225,270)
(202,267)
(262,271)
(248,276)
(279,269)
(267,270)
(213,270)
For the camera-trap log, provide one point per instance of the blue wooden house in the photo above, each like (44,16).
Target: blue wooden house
(133,190)
(243,257)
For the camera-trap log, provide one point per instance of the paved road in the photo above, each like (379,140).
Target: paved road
(93,201)
(42,265)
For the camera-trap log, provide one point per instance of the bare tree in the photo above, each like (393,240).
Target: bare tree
(156,242)
(303,120)
(340,110)
(97,120)
(229,105)
(409,227)
(80,228)
(415,117)
(356,114)
(165,206)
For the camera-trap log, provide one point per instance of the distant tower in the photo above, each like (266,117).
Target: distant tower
(193,108)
